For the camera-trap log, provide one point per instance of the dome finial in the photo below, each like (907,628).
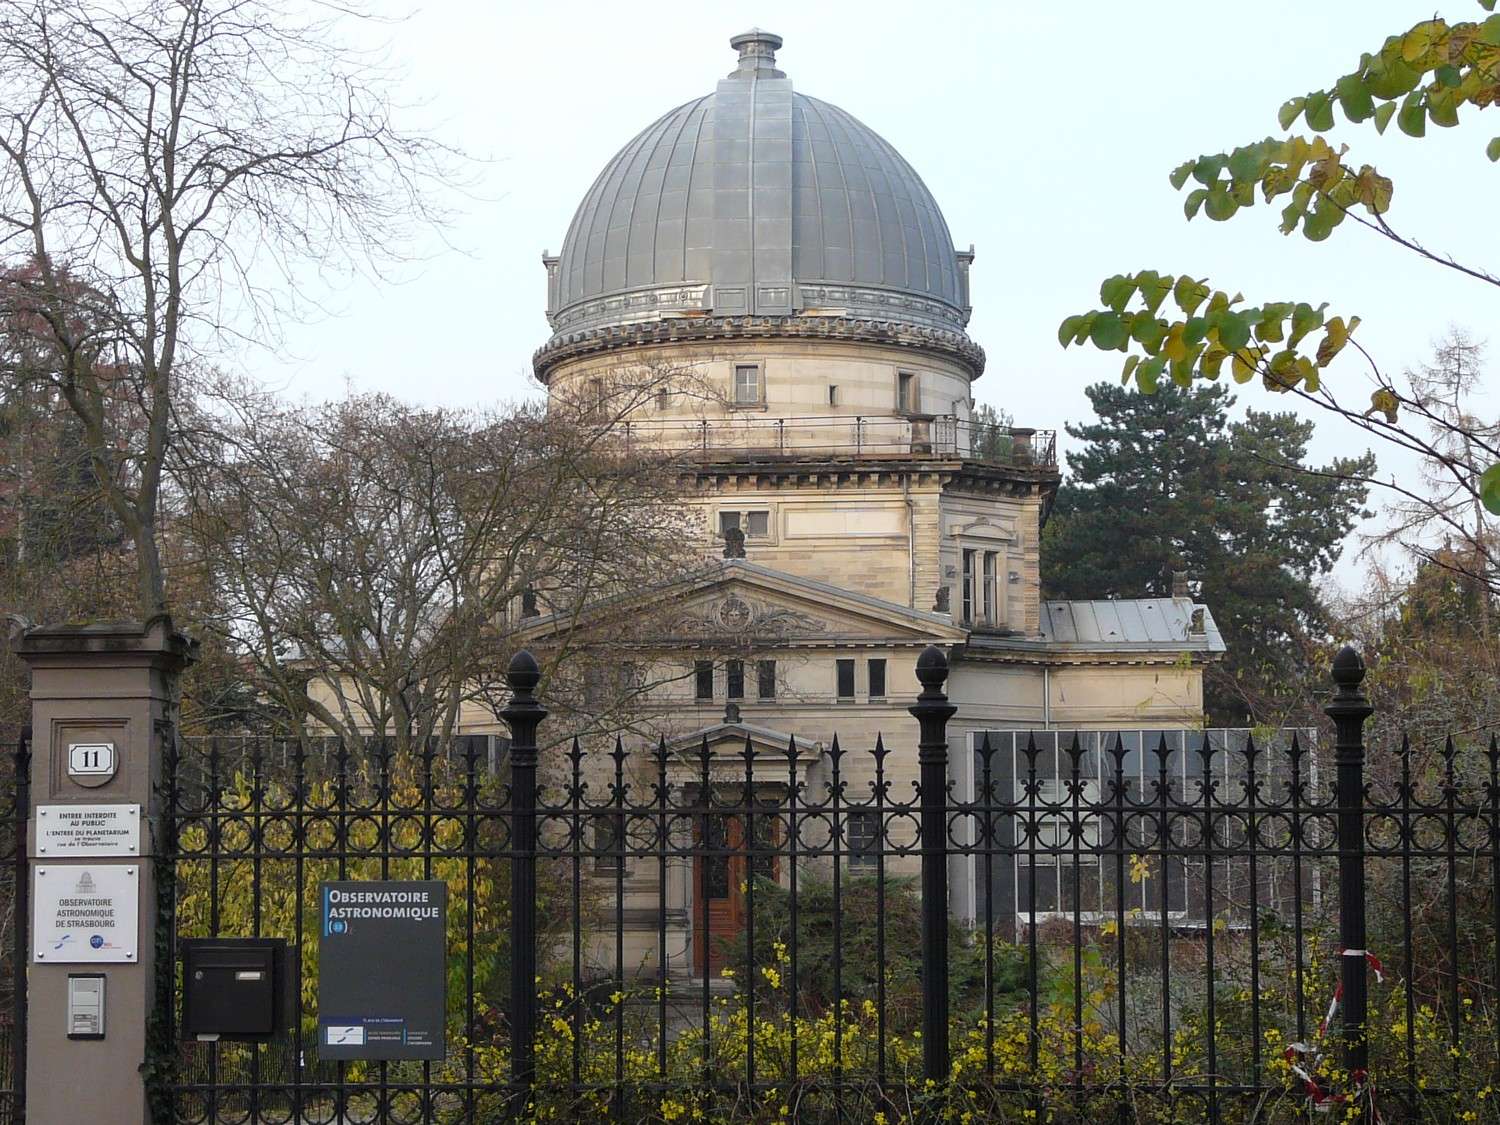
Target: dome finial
(757,50)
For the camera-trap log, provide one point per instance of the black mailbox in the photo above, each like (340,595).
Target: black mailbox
(236,988)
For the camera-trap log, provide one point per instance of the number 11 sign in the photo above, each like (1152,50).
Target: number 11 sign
(92,763)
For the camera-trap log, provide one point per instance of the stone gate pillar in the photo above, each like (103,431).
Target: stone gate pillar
(103,703)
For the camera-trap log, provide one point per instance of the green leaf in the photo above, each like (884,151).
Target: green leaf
(1489,30)
(1383,114)
(1180,174)
(1492,150)
(1206,169)
(1391,78)
(1290,110)
(1194,331)
(1189,294)
(1108,332)
(1305,319)
(1154,289)
(1442,107)
(1220,204)
(1130,364)
(1354,96)
(1234,333)
(1148,374)
(1319,111)
(1068,329)
(1449,76)
(1487,5)
(1246,162)
(1411,118)
(1269,330)
(1195,200)
(1489,488)
(1318,226)
(1117,291)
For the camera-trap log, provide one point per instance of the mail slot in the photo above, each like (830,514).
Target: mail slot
(236,988)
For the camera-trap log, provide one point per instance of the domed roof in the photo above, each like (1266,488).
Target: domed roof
(755,200)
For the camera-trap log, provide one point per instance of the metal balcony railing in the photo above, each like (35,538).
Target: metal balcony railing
(921,435)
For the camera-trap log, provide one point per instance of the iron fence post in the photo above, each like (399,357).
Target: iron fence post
(932,712)
(523,714)
(1349,710)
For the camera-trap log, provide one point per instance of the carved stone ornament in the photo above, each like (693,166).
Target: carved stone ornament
(735,614)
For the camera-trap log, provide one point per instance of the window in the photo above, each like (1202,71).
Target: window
(766,679)
(593,686)
(747,384)
(703,679)
(734,679)
(662,399)
(606,845)
(846,679)
(908,392)
(629,678)
(755,525)
(877,679)
(862,836)
(968,590)
(989,587)
(833,394)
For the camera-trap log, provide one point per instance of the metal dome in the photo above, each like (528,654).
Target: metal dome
(757,201)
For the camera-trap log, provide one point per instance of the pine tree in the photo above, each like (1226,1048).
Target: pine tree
(1168,483)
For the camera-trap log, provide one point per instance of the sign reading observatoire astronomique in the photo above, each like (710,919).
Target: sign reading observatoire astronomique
(382,970)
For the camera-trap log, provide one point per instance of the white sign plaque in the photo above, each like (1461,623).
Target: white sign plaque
(92,763)
(88,830)
(85,913)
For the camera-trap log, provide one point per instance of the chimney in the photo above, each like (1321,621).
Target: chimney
(1180,584)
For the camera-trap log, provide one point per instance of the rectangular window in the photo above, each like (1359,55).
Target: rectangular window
(703,679)
(989,587)
(593,686)
(968,588)
(605,845)
(766,679)
(755,525)
(877,679)
(833,394)
(862,837)
(629,678)
(661,399)
(734,679)
(908,393)
(846,679)
(747,383)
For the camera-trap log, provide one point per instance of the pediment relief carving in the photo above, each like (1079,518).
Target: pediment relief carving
(739,616)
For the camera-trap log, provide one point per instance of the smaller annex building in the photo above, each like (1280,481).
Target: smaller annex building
(793,267)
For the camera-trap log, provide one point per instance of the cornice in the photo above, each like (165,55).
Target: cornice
(948,343)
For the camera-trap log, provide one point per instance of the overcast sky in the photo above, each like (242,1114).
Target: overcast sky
(1045,131)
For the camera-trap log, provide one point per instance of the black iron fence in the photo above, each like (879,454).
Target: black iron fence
(733,930)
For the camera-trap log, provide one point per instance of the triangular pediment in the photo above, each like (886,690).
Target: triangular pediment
(739,601)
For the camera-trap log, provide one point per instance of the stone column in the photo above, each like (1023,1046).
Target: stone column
(98,684)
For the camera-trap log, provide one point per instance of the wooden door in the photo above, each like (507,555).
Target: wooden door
(721,870)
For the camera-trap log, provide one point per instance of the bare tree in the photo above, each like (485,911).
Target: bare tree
(374,559)
(166,166)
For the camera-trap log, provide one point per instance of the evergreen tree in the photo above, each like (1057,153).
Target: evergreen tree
(1167,483)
